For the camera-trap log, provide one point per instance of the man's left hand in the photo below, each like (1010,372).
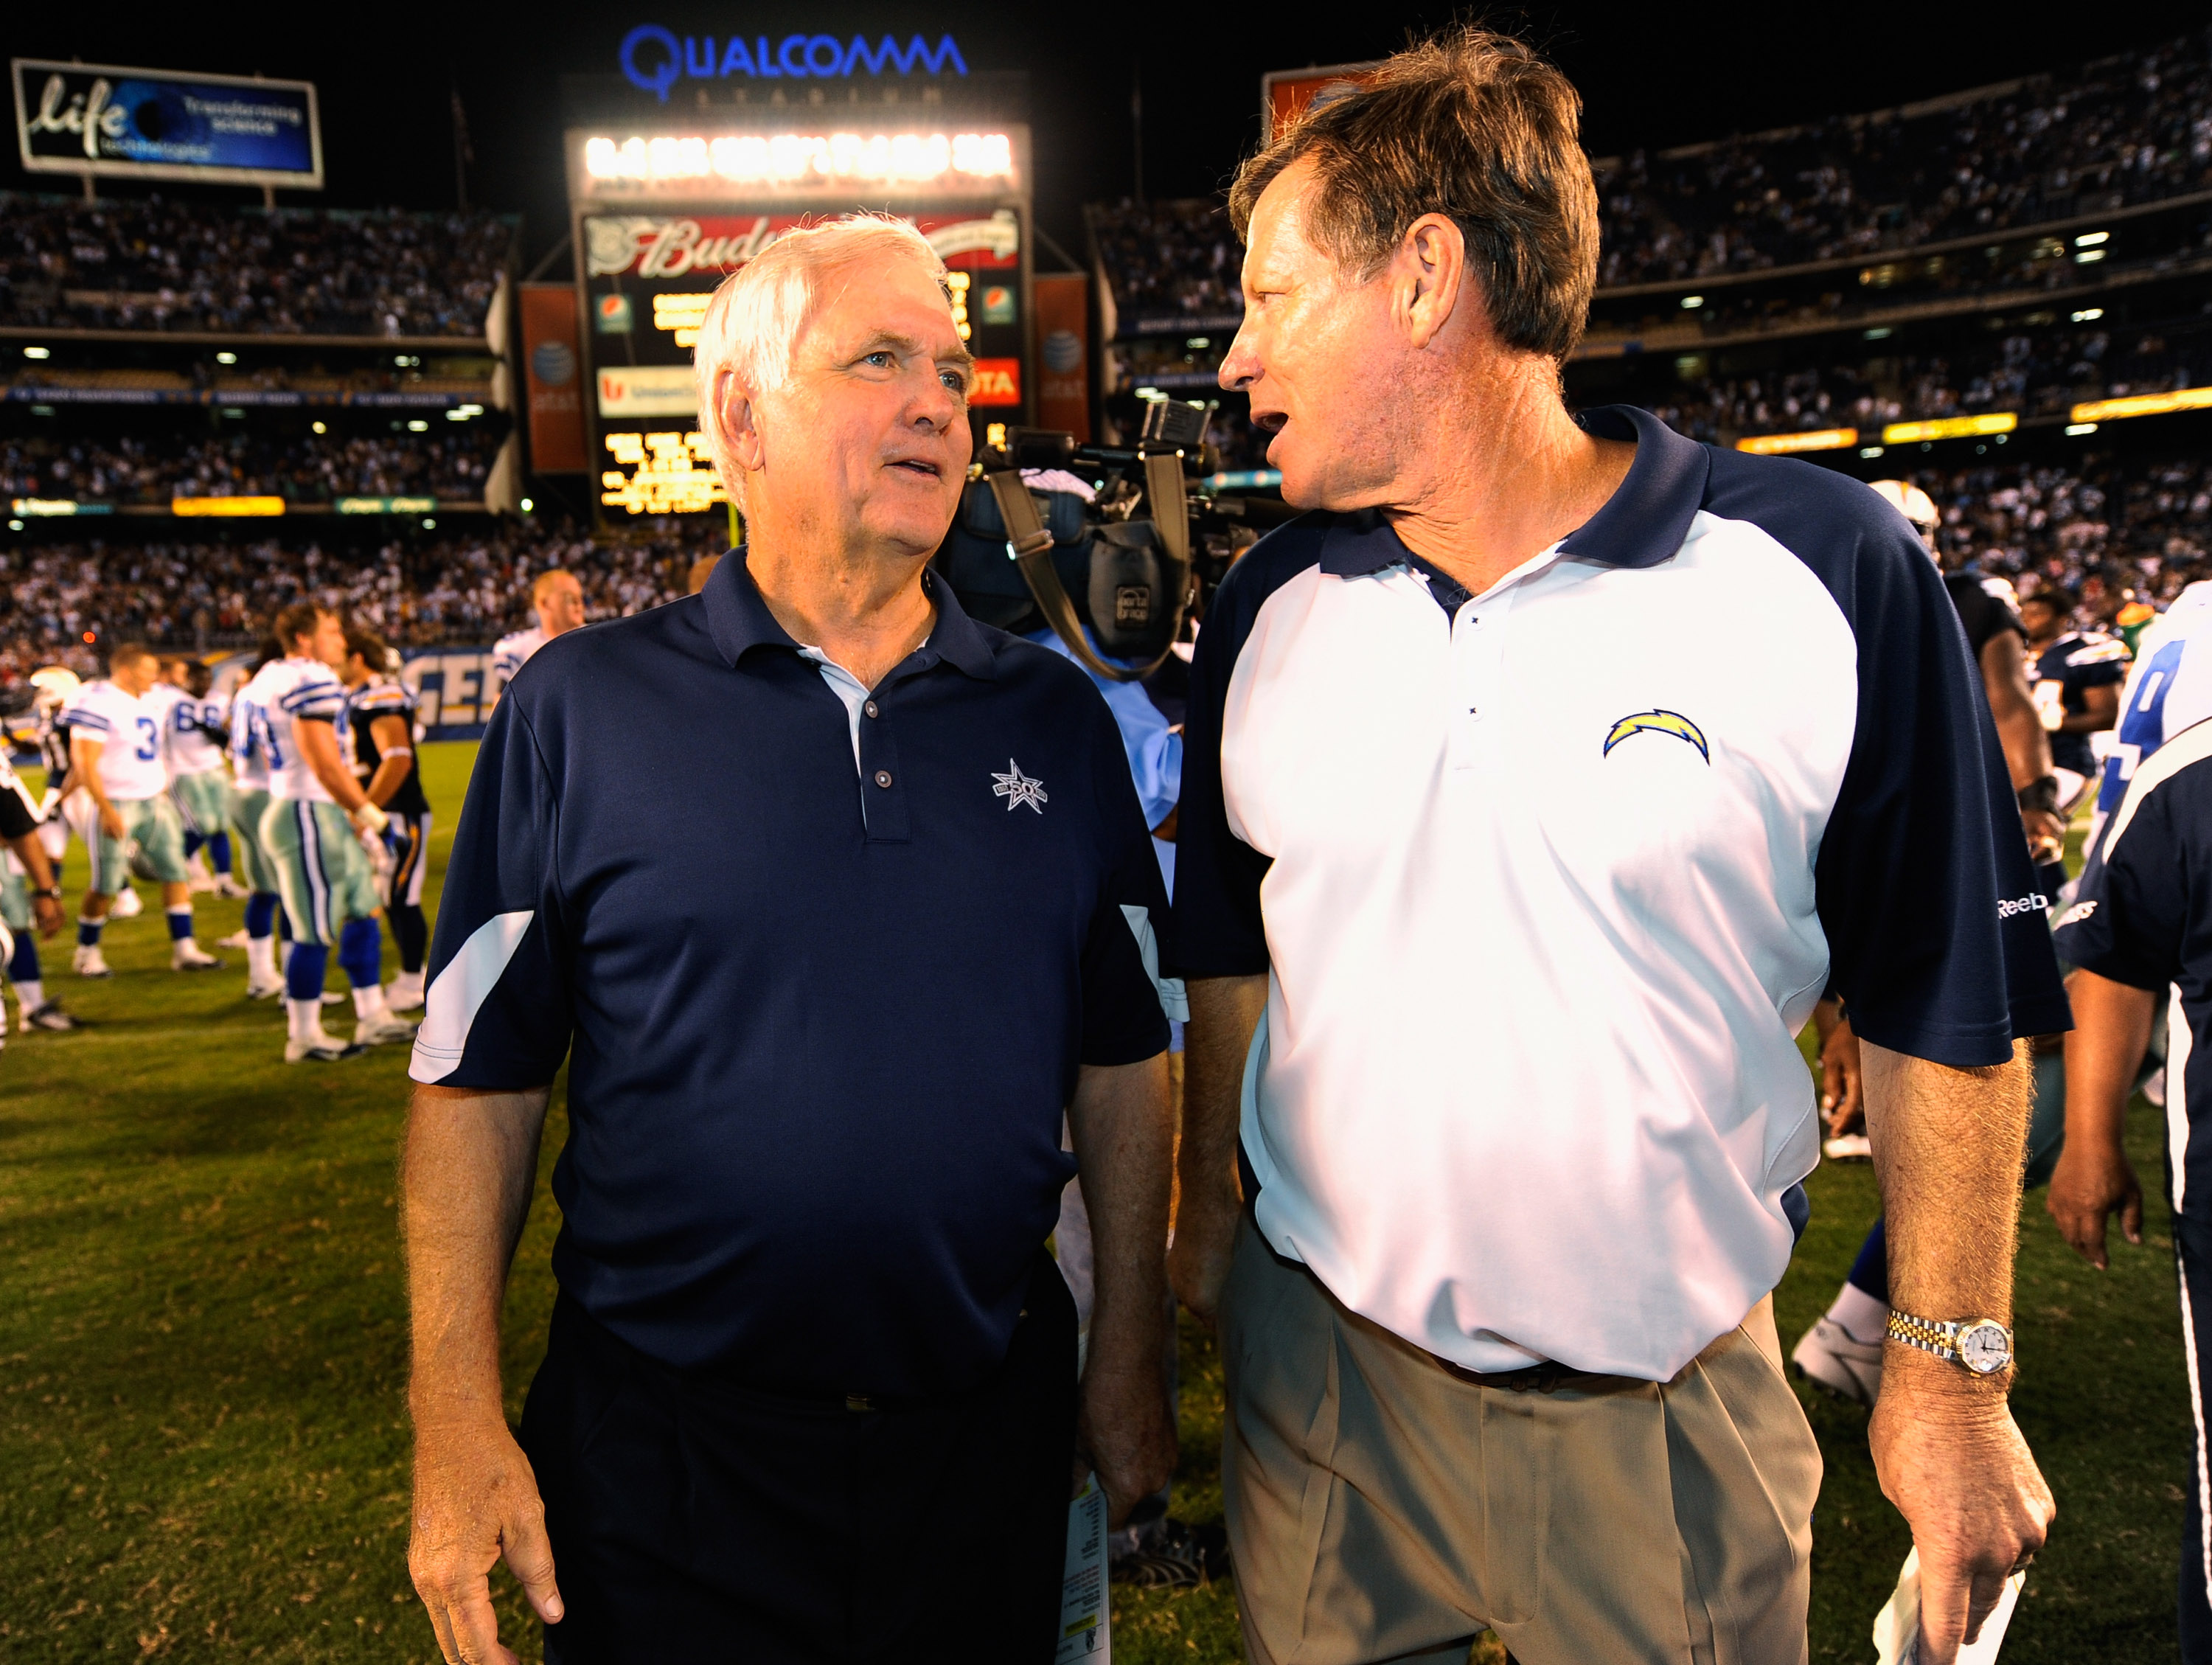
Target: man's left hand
(2047,835)
(1951,1458)
(1122,1432)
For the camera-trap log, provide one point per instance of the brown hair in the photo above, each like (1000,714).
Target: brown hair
(129,653)
(296,621)
(1473,125)
(370,646)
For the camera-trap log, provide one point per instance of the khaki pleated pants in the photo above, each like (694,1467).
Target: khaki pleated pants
(1383,1508)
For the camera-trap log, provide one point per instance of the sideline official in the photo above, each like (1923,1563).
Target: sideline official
(1519,907)
(832,899)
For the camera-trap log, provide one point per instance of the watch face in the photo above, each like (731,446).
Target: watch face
(1985,1347)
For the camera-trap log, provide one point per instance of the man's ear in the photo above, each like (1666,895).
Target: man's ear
(738,418)
(1430,270)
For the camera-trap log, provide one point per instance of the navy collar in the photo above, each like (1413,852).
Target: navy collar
(1641,524)
(738,621)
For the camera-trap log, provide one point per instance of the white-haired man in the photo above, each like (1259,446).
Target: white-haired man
(809,1349)
(1508,911)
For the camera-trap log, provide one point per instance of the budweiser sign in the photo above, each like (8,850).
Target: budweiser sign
(649,246)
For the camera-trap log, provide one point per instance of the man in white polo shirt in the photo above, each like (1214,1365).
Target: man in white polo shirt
(1502,912)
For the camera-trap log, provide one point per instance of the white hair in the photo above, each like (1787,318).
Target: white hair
(757,314)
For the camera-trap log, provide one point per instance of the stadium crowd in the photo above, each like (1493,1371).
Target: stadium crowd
(301,468)
(464,587)
(1167,260)
(2127,130)
(2034,372)
(164,265)
(2112,525)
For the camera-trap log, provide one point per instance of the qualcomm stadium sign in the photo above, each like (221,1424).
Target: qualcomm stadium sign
(653,59)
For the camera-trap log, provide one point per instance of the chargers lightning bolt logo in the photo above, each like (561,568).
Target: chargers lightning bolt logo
(1655,721)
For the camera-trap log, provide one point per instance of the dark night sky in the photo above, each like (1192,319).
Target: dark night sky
(1650,75)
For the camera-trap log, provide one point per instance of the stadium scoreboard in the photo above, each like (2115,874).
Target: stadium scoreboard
(661,216)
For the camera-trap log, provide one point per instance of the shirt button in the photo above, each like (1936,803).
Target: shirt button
(870,707)
(883,777)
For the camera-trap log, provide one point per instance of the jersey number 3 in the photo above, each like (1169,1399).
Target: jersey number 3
(149,735)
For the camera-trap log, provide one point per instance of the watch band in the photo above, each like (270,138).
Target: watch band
(2041,794)
(1945,1338)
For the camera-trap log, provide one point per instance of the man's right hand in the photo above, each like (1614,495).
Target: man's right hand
(1204,1238)
(476,1500)
(2091,1181)
(110,822)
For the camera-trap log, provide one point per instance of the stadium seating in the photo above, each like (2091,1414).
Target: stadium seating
(2125,130)
(300,468)
(160,265)
(464,587)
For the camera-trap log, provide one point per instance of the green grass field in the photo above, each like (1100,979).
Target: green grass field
(203,1357)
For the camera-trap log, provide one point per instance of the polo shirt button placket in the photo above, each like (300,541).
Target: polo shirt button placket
(884,810)
(1475,650)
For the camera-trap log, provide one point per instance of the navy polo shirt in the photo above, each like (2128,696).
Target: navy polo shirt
(823,978)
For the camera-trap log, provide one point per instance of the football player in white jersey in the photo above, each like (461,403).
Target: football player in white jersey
(249,800)
(115,756)
(558,600)
(56,686)
(197,729)
(30,905)
(318,829)
(2169,689)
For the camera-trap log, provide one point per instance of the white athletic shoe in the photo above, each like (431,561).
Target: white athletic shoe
(378,1031)
(405,992)
(190,956)
(255,991)
(237,939)
(126,904)
(319,1049)
(1850,1369)
(49,1015)
(224,885)
(89,962)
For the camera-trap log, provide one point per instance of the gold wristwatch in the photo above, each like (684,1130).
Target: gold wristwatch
(1982,1346)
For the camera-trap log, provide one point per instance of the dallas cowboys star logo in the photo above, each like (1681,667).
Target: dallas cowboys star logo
(1018,788)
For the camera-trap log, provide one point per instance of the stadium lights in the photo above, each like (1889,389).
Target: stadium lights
(795,158)
(2144,404)
(2088,315)
(1870,451)
(1878,335)
(1690,302)
(2086,256)
(2076,429)
(1782,445)
(418,426)
(319,428)
(226,358)
(1951,427)
(527,506)
(15,525)
(2089,240)
(38,352)
(428,524)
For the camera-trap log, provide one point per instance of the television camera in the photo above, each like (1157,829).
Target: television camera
(1118,575)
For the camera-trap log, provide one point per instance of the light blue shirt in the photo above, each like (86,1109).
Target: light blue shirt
(1155,751)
